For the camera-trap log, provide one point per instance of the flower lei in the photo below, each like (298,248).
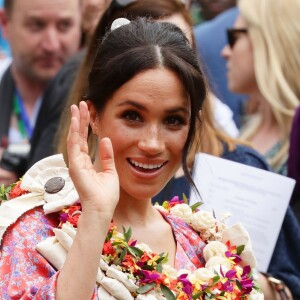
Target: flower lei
(227,278)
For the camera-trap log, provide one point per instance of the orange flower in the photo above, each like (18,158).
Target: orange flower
(108,249)
(129,262)
(17,191)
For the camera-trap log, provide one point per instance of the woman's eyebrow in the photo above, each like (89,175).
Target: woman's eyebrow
(132,103)
(142,107)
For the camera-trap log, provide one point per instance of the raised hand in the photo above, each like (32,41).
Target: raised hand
(98,191)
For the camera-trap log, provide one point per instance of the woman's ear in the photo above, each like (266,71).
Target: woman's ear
(94,117)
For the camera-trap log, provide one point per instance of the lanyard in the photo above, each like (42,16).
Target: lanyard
(24,125)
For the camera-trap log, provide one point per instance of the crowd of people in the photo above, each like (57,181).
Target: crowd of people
(129,106)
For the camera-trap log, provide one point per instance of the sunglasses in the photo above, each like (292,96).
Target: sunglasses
(233,34)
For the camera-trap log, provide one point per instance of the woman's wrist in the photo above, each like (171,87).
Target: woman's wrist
(277,287)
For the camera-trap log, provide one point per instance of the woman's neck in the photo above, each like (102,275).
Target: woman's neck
(268,133)
(134,212)
(268,118)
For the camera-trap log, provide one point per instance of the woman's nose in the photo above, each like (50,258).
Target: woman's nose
(152,141)
(226,51)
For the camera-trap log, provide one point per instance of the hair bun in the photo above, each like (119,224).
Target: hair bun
(119,22)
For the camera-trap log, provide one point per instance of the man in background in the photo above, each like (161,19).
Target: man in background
(43,35)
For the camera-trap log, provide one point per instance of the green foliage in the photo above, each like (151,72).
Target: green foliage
(167,292)
(4,191)
(145,288)
(240,249)
(196,205)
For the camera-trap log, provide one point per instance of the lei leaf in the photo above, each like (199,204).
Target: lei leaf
(239,285)
(240,249)
(196,296)
(4,191)
(167,292)
(159,268)
(196,205)
(136,251)
(127,234)
(146,288)
(216,279)
(185,199)
(123,253)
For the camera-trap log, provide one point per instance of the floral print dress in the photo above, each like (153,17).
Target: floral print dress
(25,274)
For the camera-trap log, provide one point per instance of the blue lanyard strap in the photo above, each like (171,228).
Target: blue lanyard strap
(22,116)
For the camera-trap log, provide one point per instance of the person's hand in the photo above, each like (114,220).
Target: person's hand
(7,177)
(98,191)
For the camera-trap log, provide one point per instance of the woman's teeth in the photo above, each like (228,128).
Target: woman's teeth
(145,166)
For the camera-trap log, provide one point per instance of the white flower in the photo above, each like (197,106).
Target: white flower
(143,247)
(255,295)
(214,248)
(169,271)
(154,294)
(201,275)
(215,262)
(182,211)
(183,271)
(202,220)
(237,235)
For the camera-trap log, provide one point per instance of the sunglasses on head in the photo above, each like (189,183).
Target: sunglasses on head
(233,34)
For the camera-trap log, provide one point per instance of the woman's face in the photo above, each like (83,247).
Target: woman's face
(240,62)
(147,120)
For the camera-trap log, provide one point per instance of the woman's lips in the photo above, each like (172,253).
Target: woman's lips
(149,167)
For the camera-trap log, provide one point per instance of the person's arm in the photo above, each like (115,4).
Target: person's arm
(285,263)
(99,195)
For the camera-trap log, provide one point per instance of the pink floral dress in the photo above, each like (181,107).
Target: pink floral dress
(25,274)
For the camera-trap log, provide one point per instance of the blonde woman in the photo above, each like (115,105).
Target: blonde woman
(264,62)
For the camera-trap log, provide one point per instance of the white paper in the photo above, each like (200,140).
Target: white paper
(256,198)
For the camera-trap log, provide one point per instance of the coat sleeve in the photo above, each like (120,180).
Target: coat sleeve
(285,263)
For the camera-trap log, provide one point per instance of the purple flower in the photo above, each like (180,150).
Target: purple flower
(175,200)
(63,217)
(133,243)
(149,276)
(246,271)
(227,286)
(230,274)
(237,258)
(247,285)
(187,285)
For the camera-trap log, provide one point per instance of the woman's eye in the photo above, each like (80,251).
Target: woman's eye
(132,116)
(174,121)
